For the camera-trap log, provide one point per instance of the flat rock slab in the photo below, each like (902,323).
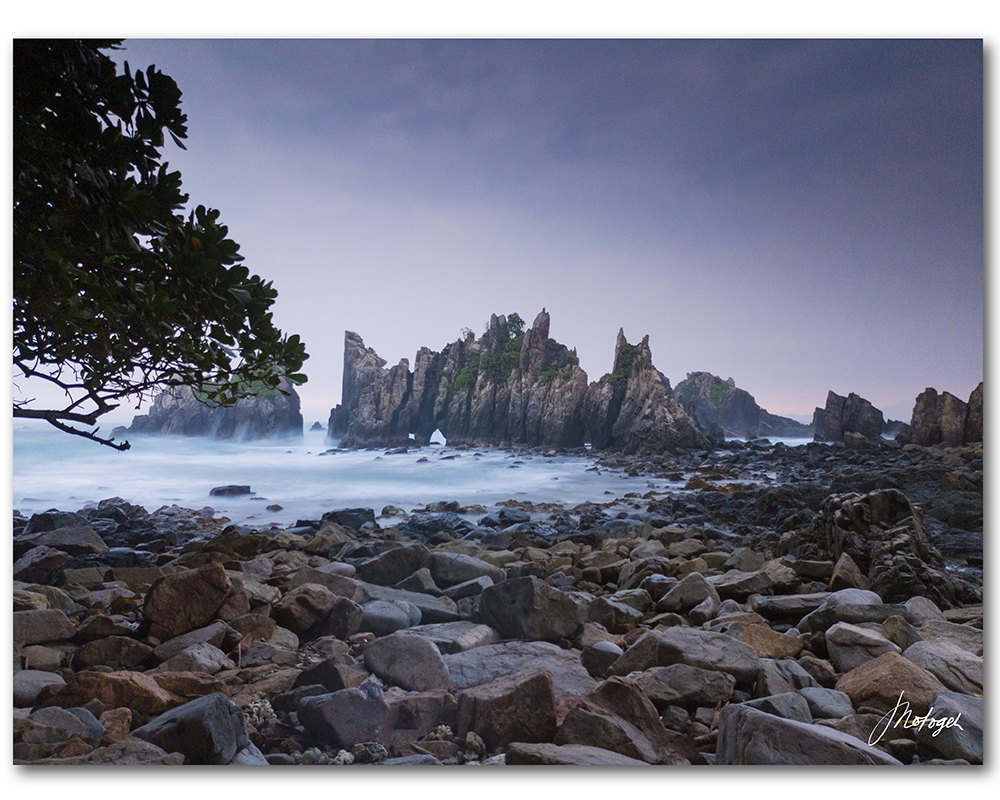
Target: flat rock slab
(964,738)
(457,637)
(748,736)
(579,755)
(489,662)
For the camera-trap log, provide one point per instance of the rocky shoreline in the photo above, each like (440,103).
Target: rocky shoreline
(773,612)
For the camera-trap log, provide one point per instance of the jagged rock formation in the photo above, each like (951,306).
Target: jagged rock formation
(632,409)
(714,402)
(844,415)
(885,535)
(509,386)
(177,411)
(944,419)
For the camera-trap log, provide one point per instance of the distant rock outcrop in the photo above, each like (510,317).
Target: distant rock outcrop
(508,386)
(847,415)
(177,411)
(632,409)
(944,419)
(715,402)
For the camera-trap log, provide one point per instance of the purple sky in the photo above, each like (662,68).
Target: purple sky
(800,215)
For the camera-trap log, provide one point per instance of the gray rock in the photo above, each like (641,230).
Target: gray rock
(964,636)
(958,732)
(456,637)
(598,657)
(209,730)
(383,617)
(345,717)
(685,686)
(692,590)
(956,668)
(409,661)
(783,675)
(692,646)
(924,610)
(40,626)
(198,657)
(736,585)
(749,736)
(72,722)
(788,705)
(448,569)
(527,608)
(29,682)
(850,646)
(580,755)
(249,756)
(218,634)
(827,703)
(489,662)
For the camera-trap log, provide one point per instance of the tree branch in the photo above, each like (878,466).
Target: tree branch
(53,417)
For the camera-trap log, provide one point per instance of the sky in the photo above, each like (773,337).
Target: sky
(799,215)
(802,214)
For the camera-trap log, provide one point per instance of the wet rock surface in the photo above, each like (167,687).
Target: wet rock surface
(774,610)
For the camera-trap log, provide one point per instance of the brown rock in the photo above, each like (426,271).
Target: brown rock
(879,683)
(134,690)
(766,642)
(619,717)
(184,601)
(847,575)
(515,708)
(304,607)
(40,626)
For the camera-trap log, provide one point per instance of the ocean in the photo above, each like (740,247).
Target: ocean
(55,470)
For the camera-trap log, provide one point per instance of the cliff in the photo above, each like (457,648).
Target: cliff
(632,409)
(944,419)
(715,402)
(509,386)
(851,414)
(178,411)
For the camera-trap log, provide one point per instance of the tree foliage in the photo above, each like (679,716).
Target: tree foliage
(117,293)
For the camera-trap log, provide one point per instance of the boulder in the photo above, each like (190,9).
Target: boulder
(957,669)
(183,601)
(957,731)
(346,717)
(683,685)
(528,608)
(489,662)
(880,684)
(750,736)
(209,730)
(619,717)
(691,646)
(850,646)
(409,661)
(40,626)
(514,708)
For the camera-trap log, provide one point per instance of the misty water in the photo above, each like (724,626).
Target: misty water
(55,470)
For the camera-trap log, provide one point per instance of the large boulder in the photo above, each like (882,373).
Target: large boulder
(209,730)
(694,647)
(528,608)
(751,736)
(183,601)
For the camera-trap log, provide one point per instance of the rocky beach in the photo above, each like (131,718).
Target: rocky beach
(818,605)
